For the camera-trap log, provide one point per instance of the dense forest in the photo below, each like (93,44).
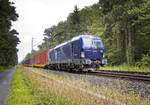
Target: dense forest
(8,36)
(123,25)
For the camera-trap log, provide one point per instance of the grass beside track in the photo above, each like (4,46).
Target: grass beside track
(37,87)
(125,68)
(26,91)
(34,87)
(52,90)
(19,93)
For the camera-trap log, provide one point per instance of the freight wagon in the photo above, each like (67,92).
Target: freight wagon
(38,60)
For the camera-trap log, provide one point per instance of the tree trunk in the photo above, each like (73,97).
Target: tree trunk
(130,46)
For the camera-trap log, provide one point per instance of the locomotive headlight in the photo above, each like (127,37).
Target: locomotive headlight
(101,51)
(82,54)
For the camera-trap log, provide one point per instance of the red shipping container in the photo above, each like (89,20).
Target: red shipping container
(40,59)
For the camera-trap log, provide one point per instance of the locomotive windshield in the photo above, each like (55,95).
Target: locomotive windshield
(87,43)
(97,44)
(92,43)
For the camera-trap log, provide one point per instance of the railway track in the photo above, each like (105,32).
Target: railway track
(140,76)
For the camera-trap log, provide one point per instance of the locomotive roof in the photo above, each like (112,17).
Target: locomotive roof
(84,36)
(76,38)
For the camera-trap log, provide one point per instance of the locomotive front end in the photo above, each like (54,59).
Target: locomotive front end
(93,50)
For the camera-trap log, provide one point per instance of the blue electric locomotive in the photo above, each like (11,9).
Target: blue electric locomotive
(80,53)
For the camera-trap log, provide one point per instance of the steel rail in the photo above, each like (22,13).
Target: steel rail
(140,76)
(125,75)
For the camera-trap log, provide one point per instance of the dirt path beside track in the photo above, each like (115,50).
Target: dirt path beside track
(5,81)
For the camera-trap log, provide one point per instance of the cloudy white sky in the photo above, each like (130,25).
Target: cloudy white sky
(36,15)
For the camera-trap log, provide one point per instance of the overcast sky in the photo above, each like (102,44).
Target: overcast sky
(36,15)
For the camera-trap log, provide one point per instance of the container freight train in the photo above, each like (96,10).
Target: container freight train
(83,52)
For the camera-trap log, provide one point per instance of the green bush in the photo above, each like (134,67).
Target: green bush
(145,61)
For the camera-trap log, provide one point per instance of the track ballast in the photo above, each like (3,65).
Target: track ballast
(140,76)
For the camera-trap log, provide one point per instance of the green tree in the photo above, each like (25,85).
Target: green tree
(121,19)
(8,36)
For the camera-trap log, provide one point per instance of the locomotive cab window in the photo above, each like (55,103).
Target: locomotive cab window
(97,44)
(92,43)
(87,43)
